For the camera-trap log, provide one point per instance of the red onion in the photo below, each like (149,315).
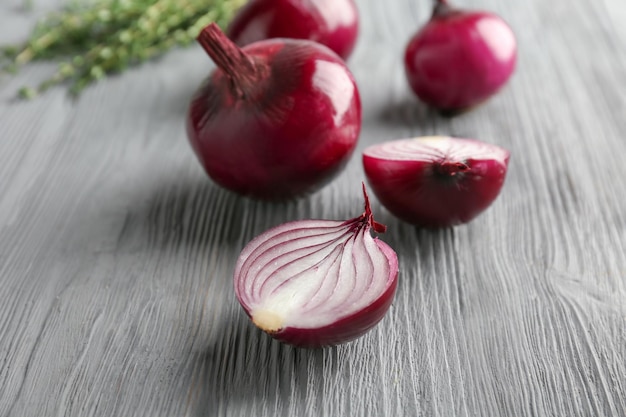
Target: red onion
(460,58)
(317,282)
(436,181)
(277,119)
(334,23)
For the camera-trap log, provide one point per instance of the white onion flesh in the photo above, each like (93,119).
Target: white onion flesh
(436,149)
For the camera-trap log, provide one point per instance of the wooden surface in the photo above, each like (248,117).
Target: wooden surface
(116,252)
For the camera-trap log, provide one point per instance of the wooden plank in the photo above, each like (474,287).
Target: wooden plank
(116,252)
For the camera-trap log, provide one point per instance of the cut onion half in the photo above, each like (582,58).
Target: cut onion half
(317,282)
(436,181)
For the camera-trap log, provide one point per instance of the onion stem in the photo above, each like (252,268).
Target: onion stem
(367,215)
(239,67)
(441,7)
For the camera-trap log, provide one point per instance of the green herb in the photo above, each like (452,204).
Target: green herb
(103,37)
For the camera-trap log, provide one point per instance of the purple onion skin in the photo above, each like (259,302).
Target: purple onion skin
(334,23)
(405,192)
(460,58)
(434,194)
(293,130)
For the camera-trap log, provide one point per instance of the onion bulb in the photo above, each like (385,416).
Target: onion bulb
(333,23)
(460,57)
(277,119)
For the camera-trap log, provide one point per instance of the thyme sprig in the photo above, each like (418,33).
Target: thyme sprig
(95,39)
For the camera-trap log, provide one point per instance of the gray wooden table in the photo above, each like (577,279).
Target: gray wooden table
(116,251)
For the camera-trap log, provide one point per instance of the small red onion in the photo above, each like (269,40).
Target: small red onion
(317,282)
(277,119)
(460,57)
(436,181)
(334,23)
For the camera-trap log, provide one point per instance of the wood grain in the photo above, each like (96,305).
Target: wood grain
(116,252)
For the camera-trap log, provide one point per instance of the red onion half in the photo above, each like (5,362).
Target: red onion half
(277,119)
(317,282)
(460,57)
(436,181)
(334,23)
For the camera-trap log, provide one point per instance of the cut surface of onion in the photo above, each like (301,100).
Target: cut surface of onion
(317,282)
(436,181)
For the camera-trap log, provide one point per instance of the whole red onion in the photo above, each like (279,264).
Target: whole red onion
(317,282)
(436,181)
(277,119)
(334,23)
(460,57)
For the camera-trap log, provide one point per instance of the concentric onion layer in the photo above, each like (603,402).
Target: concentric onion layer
(437,149)
(312,274)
